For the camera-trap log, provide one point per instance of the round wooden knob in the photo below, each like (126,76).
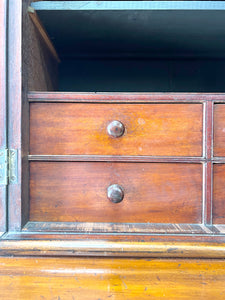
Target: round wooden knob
(115,193)
(115,129)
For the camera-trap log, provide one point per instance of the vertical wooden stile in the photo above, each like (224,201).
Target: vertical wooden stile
(207,219)
(15,107)
(3,119)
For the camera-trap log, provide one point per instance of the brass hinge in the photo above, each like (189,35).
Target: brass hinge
(8,166)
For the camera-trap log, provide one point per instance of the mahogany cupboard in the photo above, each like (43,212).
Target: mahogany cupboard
(112,162)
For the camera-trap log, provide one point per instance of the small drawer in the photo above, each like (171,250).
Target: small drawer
(115,192)
(116,129)
(219,130)
(218,209)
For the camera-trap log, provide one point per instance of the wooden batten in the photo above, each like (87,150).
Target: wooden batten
(37,22)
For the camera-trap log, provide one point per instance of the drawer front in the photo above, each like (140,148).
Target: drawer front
(153,192)
(145,129)
(218,210)
(219,130)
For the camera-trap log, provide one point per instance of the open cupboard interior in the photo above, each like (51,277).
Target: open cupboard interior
(127,46)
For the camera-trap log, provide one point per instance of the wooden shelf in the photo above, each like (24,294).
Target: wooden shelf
(129,5)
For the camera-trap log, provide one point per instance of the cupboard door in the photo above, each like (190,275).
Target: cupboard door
(3,139)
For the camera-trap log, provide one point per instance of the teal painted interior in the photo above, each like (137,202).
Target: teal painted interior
(138,45)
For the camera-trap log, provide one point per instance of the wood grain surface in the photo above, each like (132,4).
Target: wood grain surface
(77,192)
(101,278)
(3,109)
(150,129)
(219,130)
(218,209)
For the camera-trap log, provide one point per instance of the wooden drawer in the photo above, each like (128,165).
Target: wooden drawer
(150,129)
(153,192)
(218,210)
(219,130)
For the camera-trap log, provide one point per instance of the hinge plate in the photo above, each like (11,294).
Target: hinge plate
(13,166)
(8,166)
(3,166)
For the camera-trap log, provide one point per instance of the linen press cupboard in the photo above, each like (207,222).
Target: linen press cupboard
(112,149)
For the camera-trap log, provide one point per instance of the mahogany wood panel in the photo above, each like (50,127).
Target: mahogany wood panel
(86,278)
(77,192)
(219,130)
(218,209)
(150,129)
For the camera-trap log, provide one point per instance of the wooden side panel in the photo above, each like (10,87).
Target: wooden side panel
(219,130)
(3,141)
(150,129)
(101,278)
(219,194)
(40,69)
(77,192)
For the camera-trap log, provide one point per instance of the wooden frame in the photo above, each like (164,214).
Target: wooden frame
(27,239)
(3,110)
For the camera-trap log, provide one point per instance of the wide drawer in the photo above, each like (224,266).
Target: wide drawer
(88,129)
(78,192)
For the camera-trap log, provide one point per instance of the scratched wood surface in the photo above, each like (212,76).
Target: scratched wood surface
(218,209)
(101,278)
(150,129)
(77,192)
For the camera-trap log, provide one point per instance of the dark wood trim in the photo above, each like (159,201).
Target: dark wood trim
(115,158)
(15,107)
(207,210)
(3,104)
(214,238)
(125,97)
(144,228)
(118,158)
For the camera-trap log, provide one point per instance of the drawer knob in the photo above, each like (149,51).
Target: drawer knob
(115,193)
(115,129)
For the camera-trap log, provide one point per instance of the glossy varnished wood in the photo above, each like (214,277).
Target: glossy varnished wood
(77,192)
(218,209)
(83,278)
(219,130)
(115,246)
(150,129)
